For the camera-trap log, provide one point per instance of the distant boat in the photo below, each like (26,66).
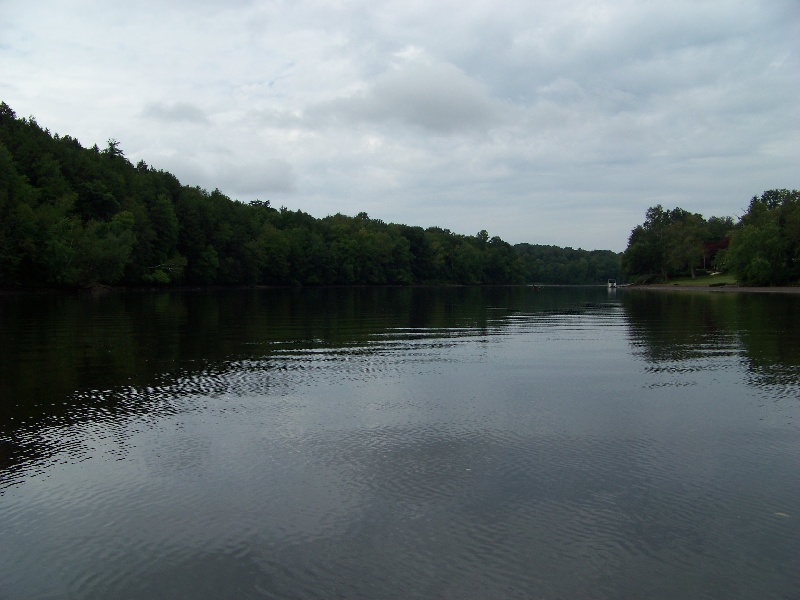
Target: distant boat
(612,283)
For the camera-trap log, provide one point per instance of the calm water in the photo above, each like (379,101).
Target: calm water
(394,443)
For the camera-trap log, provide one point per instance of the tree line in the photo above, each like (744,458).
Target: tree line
(74,216)
(568,266)
(762,248)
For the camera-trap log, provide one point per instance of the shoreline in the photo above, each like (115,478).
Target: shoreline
(657,287)
(660,287)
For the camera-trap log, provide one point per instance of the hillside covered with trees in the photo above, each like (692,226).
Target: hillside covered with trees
(762,248)
(73,216)
(566,266)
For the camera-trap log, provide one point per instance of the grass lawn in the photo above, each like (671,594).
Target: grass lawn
(723,278)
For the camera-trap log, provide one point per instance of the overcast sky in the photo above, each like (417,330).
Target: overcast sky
(549,122)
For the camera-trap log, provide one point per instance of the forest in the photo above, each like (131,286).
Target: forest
(554,265)
(762,248)
(80,217)
(75,217)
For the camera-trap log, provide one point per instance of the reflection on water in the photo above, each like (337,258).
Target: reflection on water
(395,443)
(697,330)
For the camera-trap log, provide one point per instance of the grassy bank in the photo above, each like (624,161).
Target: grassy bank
(705,280)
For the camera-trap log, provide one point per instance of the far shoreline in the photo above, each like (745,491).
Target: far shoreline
(655,287)
(660,287)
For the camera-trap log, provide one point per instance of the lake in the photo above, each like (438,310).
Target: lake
(400,443)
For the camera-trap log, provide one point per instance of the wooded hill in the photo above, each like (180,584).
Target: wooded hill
(568,266)
(72,216)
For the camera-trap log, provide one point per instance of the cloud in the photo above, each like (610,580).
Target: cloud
(240,178)
(175,113)
(545,122)
(249,179)
(438,98)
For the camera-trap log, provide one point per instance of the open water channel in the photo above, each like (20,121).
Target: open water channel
(400,443)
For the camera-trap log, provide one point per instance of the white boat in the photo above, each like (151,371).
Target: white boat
(612,283)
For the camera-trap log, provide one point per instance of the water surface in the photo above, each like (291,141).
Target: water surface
(398,443)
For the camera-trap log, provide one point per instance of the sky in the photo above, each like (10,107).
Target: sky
(539,121)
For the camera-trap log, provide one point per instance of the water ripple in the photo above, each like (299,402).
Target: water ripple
(555,454)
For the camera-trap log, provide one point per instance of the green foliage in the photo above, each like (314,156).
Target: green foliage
(554,265)
(71,216)
(762,249)
(673,242)
(765,248)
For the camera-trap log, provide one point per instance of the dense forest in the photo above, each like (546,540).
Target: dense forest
(566,266)
(762,248)
(74,216)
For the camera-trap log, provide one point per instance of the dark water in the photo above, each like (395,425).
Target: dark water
(395,443)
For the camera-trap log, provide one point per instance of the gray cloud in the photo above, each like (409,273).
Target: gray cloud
(270,175)
(436,97)
(240,179)
(546,122)
(175,113)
